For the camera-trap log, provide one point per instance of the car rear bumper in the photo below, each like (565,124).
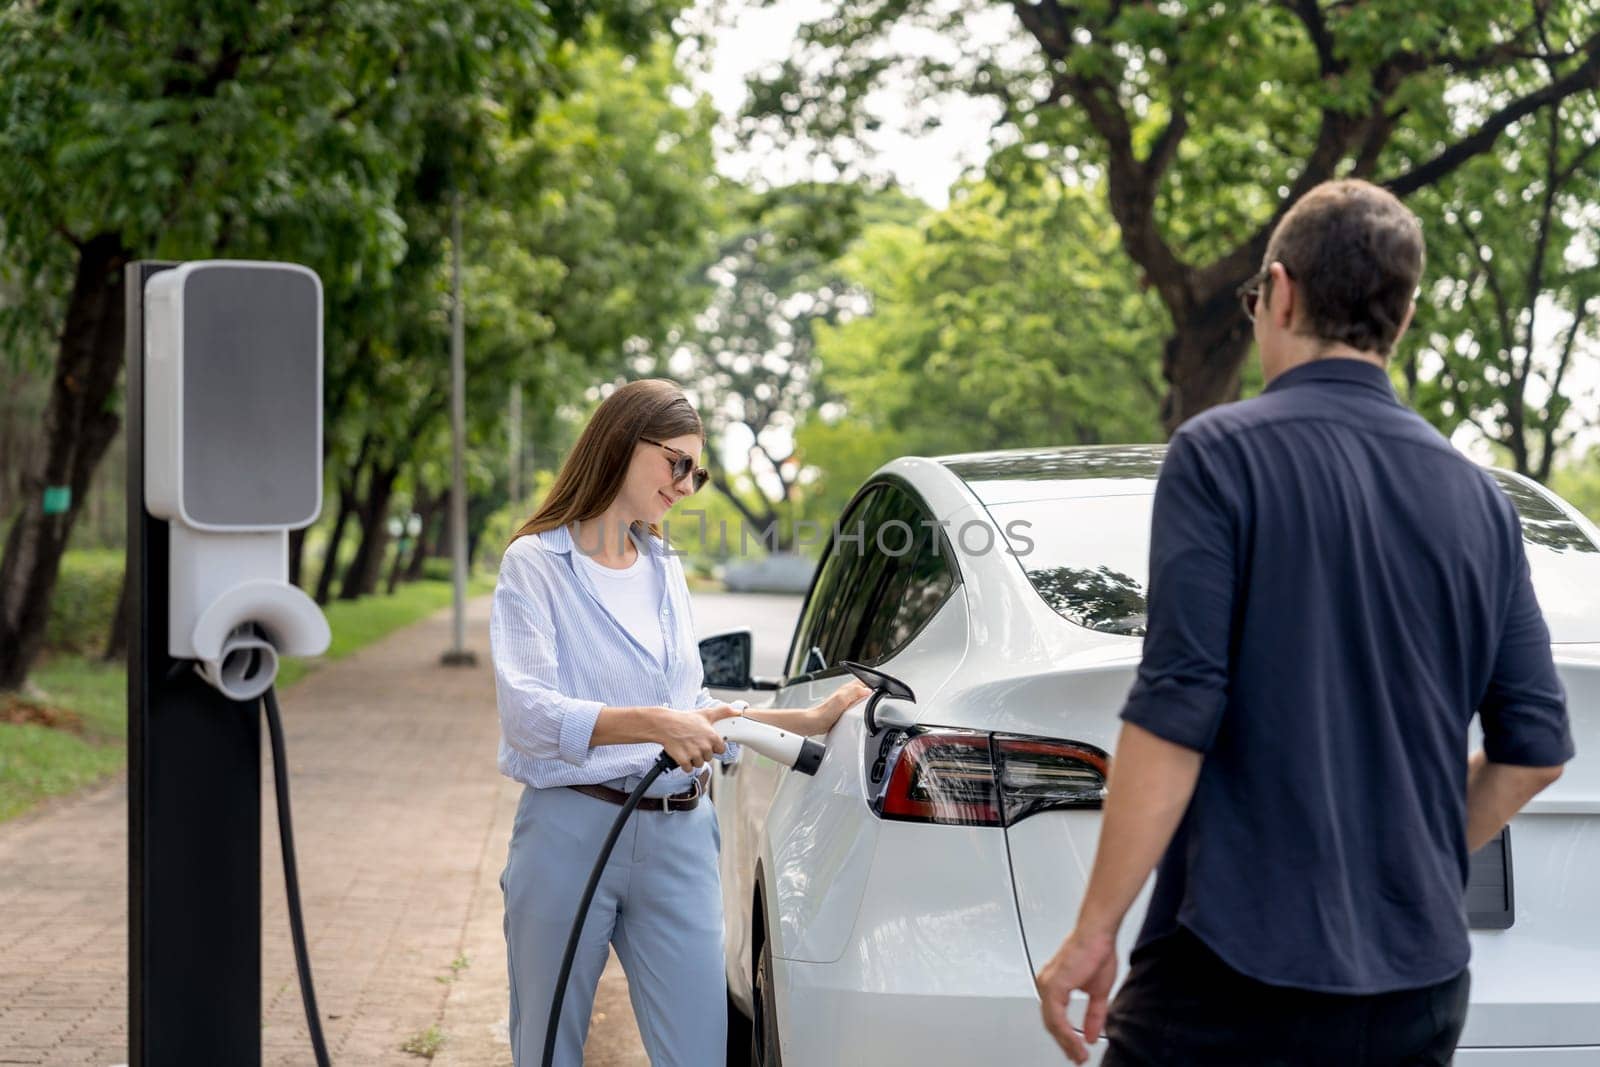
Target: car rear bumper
(1552,1056)
(842,1012)
(830,1019)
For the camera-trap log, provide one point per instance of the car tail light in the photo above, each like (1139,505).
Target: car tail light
(1037,775)
(964,778)
(943,776)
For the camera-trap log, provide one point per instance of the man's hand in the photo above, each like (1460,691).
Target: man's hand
(1148,790)
(1496,792)
(1086,961)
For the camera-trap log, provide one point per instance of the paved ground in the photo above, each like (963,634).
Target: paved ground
(401,822)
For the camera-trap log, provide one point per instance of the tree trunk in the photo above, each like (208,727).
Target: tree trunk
(395,567)
(347,507)
(361,577)
(1203,358)
(429,511)
(79,424)
(397,564)
(297,551)
(330,561)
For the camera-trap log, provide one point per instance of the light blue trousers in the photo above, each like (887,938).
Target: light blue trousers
(659,902)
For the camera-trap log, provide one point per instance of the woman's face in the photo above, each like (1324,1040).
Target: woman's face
(649,489)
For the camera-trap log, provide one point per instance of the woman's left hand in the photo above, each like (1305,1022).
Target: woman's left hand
(841,699)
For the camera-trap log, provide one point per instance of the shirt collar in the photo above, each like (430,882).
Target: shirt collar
(559,539)
(1343,369)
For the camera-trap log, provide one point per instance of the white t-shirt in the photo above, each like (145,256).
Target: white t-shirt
(633,595)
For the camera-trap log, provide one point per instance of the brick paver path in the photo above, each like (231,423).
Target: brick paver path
(401,823)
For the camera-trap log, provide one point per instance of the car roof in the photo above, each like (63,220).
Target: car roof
(1010,475)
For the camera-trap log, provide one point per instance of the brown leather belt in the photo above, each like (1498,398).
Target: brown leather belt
(677,802)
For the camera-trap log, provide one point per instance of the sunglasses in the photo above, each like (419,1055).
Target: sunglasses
(1250,291)
(683,465)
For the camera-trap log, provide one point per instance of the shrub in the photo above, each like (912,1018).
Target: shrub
(84,601)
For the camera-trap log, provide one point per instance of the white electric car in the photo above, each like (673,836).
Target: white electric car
(894,908)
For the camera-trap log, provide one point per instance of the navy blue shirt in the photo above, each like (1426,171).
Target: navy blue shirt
(1334,592)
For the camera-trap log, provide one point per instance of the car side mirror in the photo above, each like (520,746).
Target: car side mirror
(726,659)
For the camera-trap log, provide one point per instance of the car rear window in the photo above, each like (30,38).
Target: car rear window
(1088,558)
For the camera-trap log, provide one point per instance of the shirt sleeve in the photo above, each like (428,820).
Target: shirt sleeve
(1181,687)
(535,718)
(1524,708)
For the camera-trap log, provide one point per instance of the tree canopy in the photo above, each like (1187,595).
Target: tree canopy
(1201,122)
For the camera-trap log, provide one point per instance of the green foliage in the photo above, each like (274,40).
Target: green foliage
(576,242)
(84,601)
(340,135)
(1507,321)
(842,453)
(1004,321)
(772,282)
(437,569)
(1579,484)
(425,1044)
(583,248)
(1199,122)
(1251,82)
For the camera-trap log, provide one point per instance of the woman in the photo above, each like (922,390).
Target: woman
(596,671)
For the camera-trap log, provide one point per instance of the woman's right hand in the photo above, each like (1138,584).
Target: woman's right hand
(690,737)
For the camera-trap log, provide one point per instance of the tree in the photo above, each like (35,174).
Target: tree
(579,233)
(1006,320)
(1512,291)
(750,358)
(1205,121)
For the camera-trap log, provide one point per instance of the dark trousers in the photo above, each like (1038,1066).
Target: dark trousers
(1181,1004)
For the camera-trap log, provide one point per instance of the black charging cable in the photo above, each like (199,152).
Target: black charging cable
(663,763)
(291,877)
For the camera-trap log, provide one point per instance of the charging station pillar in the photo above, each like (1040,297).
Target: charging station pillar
(194,805)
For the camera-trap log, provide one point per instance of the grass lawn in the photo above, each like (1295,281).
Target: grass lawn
(77,734)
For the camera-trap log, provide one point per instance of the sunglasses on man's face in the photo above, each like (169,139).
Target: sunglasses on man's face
(682,465)
(1249,293)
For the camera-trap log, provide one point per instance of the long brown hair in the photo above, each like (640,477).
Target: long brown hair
(593,472)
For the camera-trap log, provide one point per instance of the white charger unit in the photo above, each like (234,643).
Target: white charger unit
(233,460)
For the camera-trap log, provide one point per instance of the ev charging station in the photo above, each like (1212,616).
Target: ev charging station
(224,433)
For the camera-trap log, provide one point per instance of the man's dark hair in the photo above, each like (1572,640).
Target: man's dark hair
(1354,252)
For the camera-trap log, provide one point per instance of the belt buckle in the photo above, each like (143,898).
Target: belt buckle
(699,791)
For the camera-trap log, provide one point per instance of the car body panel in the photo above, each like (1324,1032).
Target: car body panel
(934,971)
(742,793)
(820,834)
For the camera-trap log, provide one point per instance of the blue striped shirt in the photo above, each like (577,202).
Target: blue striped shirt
(560,656)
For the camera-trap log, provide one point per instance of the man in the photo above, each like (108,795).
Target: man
(1334,592)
